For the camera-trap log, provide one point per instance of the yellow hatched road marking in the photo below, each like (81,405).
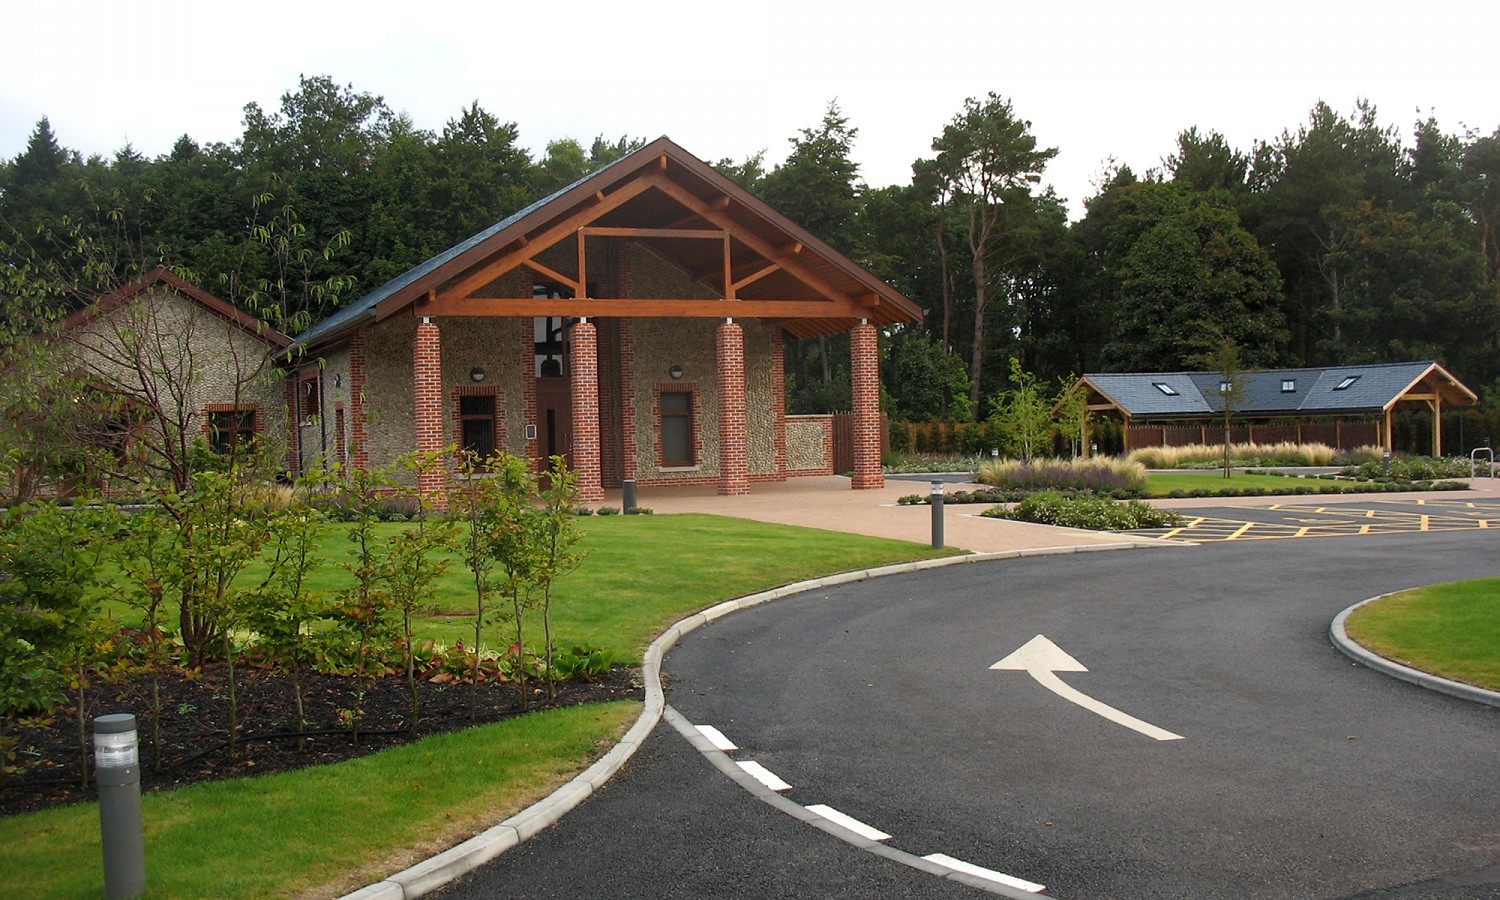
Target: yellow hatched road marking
(1426,522)
(1241,530)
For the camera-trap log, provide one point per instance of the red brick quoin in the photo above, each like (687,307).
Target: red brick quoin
(864,351)
(585,387)
(734,459)
(427,374)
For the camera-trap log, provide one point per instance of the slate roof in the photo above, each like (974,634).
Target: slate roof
(1195,395)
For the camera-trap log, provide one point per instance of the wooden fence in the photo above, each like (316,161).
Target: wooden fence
(843,440)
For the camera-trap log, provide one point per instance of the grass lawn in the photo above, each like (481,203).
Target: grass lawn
(1452,630)
(1162,484)
(288,833)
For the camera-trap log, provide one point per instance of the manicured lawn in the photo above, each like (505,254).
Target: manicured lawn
(1164,483)
(1452,630)
(282,834)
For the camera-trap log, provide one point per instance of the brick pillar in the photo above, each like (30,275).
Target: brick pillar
(734,455)
(864,353)
(358,424)
(427,381)
(585,387)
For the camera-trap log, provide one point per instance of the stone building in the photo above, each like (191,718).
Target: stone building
(632,322)
(172,364)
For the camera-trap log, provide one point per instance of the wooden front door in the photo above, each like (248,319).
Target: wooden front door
(554,414)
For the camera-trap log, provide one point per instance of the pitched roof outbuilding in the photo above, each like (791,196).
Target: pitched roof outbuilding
(1336,390)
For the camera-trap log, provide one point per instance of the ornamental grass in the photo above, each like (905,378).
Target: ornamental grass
(1102,474)
(1285,453)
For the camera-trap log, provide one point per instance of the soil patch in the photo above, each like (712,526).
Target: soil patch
(195,734)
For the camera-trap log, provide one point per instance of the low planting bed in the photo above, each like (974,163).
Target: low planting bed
(1089,511)
(194,743)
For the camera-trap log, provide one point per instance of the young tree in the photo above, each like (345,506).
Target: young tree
(557,539)
(475,500)
(284,609)
(1223,359)
(49,560)
(411,565)
(364,608)
(1023,414)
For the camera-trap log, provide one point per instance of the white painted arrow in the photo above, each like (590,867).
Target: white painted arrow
(1042,660)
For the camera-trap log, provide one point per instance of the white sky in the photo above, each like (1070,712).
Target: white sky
(1096,79)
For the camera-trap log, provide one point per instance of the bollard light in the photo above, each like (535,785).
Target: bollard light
(118,771)
(937,515)
(627,495)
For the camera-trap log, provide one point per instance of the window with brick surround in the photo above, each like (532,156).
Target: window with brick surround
(477,424)
(676,409)
(309,398)
(230,427)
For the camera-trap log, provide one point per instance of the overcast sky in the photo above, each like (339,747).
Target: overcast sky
(1096,79)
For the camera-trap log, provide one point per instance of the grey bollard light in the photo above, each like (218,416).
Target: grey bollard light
(117,765)
(937,515)
(627,494)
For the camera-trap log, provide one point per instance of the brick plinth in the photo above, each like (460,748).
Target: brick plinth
(864,353)
(427,379)
(585,389)
(734,454)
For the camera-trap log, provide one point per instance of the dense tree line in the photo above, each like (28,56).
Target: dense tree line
(1337,242)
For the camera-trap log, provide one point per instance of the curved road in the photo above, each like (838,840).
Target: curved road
(1298,773)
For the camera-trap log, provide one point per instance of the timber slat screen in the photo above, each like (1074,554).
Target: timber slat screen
(1339,435)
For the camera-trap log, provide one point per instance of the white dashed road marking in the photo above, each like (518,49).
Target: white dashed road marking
(959,865)
(763,775)
(865,831)
(717,738)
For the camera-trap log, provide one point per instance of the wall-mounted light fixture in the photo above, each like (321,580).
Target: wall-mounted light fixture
(476,374)
(338,379)
(675,371)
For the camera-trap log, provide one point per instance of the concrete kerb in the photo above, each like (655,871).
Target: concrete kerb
(1340,637)
(721,761)
(463,858)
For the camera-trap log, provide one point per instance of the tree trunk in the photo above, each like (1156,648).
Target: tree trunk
(976,355)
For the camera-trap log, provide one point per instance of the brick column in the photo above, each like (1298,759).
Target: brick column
(864,353)
(427,381)
(358,425)
(734,455)
(585,388)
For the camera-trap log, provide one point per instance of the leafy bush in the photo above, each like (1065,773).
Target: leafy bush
(583,661)
(1096,474)
(1411,468)
(917,463)
(1087,511)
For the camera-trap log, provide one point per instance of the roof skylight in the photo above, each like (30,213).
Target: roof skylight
(1165,388)
(1347,383)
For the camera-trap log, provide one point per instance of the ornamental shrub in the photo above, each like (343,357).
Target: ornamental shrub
(1087,511)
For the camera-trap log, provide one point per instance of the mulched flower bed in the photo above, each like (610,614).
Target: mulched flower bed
(194,732)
